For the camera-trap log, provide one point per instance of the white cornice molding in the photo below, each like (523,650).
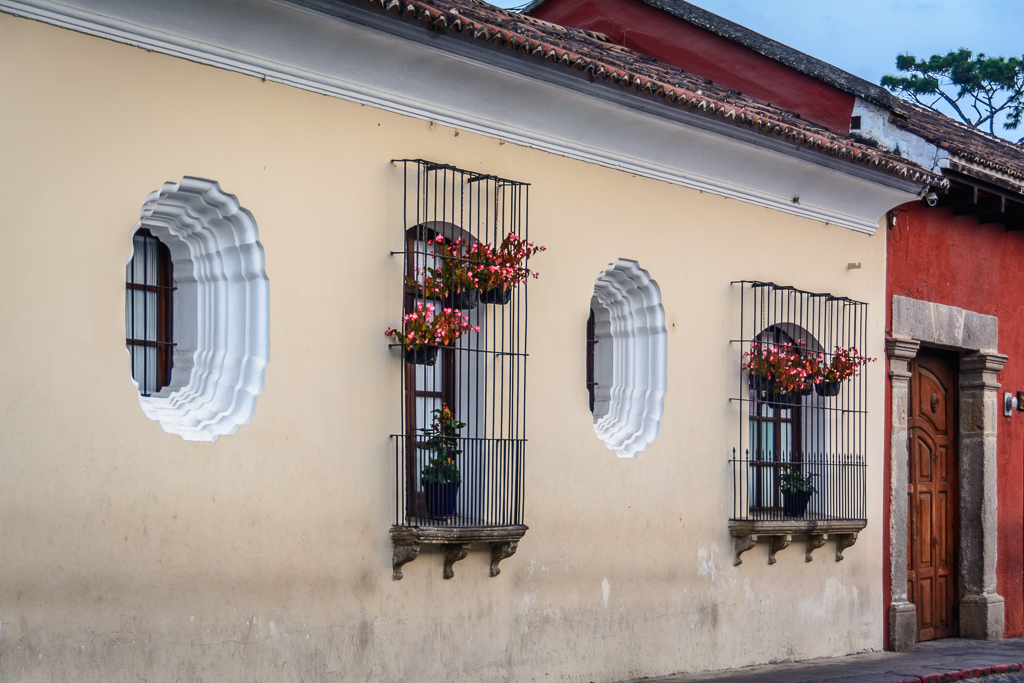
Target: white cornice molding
(354,52)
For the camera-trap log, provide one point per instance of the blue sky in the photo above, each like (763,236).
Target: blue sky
(864,36)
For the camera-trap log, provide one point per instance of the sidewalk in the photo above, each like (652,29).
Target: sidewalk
(950,659)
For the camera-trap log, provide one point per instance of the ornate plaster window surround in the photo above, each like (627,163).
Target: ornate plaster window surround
(221,309)
(975,336)
(630,358)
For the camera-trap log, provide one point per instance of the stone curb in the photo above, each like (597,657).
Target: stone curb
(965,674)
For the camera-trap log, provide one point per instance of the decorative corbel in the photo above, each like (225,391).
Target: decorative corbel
(501,551)
(742,544)
(844,541)
(403,554)
(777,543)
(814,541)
(453,552)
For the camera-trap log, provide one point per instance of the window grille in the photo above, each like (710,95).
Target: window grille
(815,435)
(481,378)
(148,308)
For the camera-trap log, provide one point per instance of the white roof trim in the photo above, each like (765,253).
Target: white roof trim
(362,56)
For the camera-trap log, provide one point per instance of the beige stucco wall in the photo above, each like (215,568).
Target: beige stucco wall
(128,553)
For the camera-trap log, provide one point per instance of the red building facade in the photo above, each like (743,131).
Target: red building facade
(937,256)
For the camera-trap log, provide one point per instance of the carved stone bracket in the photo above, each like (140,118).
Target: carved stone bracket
(780,533)
(404,553)
(814,541)
(777,543)
(501,551)
(453,552)
(844,541)
(455,544)
(742,544)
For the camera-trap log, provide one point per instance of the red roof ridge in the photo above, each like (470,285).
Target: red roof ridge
(483,22)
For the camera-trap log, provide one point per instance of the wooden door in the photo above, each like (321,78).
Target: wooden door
(932,542)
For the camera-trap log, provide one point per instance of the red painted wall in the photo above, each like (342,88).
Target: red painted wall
(935,256)
(668,39)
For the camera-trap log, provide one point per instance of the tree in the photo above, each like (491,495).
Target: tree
(988,86)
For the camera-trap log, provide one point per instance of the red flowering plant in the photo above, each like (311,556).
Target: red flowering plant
(501,267)
(425,327)
(845,363)
(783,368)
(452,274)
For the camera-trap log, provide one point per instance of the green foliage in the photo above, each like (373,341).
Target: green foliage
(442,439)
(791,480)
(978,89)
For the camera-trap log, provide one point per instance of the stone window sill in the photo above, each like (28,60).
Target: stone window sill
(780,532)
(455,543)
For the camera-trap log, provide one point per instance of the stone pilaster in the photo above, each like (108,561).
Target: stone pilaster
(981,608)
(902,613)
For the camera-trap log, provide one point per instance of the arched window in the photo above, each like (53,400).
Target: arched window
(148,312)
(781,430)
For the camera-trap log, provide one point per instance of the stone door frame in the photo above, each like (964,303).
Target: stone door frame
(975,336)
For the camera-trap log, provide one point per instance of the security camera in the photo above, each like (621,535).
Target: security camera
(931,199)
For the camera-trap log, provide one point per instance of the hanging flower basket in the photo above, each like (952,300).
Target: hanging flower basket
(498,295)
(781,372)
(845,364)
(421,355)
(499,269)
(828,388)
(425,330)
(462,301)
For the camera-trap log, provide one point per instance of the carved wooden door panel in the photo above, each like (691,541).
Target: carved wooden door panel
(932,543)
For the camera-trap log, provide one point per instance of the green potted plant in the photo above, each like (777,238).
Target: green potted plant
(498,270)
(845,363)
(441,476)
(452,282)
(426,329)
(797,490)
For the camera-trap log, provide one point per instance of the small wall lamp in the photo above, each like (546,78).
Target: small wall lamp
(1012,403)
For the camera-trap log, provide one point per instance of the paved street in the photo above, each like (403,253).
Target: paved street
(964,658)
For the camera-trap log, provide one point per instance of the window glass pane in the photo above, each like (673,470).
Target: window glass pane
(428,378)
(152,256)
(425,406)
(151,310)
(786,441)
(144,367)
(142,316)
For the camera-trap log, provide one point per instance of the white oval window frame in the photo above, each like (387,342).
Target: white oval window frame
(630,358)
(221,309)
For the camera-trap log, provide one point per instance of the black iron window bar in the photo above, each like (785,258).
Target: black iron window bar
(800,464)
(464,484)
